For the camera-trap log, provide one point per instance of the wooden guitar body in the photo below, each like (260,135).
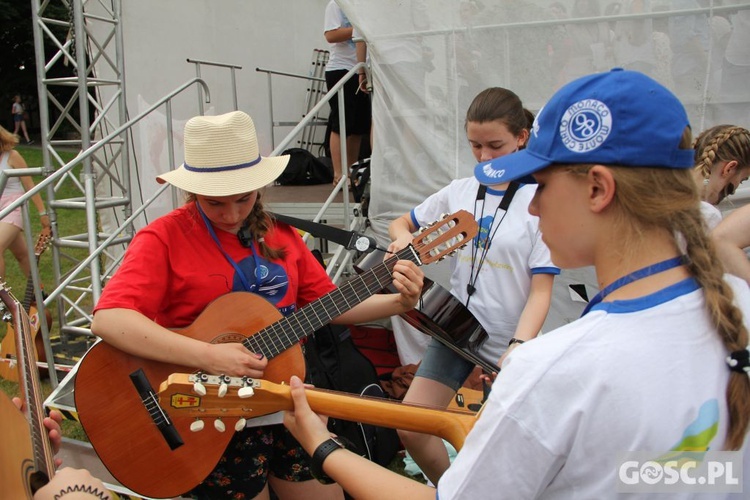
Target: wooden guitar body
(136,453)
(16,452)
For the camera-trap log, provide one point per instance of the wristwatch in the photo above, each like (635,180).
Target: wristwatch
(515,341)
(320,454)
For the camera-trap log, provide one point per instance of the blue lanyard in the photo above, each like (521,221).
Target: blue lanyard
(237,268)
(657,268)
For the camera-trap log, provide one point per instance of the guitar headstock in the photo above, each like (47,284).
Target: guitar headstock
(42,242)
(445,236)
(9,305)
(213,396)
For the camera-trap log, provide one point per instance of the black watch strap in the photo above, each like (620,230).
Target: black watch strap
(318,457)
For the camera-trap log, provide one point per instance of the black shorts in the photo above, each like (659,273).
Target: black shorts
(250,456)
(357,106)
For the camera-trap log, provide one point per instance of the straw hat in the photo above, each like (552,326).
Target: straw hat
(222,157)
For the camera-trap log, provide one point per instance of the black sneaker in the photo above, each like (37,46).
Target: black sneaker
(29,142)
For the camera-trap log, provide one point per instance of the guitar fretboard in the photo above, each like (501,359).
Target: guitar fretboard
(283,334)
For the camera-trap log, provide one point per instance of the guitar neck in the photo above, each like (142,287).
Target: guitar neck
(226,398)
(31,389)
(286,332)
(28,296)
(450,425)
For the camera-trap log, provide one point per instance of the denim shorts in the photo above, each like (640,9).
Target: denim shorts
(441,364)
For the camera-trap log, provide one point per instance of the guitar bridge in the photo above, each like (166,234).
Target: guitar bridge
(158,415)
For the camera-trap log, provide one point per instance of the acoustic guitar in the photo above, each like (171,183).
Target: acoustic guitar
(156,457)
(443,317)
(26,456)
(231,400)
(8,351)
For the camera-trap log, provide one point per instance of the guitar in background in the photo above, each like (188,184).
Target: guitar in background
(8,349)
(26,456)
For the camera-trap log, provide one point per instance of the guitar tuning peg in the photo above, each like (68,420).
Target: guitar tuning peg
(197,426)
(223,390)
(219,425)
(199,389)
(246,392)
(240,424)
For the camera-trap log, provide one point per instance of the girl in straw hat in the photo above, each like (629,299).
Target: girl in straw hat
(658,364)
(222,240)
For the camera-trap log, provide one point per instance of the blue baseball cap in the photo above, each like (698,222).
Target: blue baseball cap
(615,118)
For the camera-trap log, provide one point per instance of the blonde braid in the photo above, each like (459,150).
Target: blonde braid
(705,266)
(721,143)
(668,198)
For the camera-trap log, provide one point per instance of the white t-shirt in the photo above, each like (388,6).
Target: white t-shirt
(515,253)
(343,55)
(711,215)
(635,375)
(13,186)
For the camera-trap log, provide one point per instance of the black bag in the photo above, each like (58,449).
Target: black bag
(305,169)
(335,363)
(360,175)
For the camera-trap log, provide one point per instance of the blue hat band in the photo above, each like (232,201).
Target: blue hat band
(222,168)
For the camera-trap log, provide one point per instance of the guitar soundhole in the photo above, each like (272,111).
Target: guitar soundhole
(226,338)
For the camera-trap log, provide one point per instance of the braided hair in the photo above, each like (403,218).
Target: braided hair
(720,144)
(259,222)
(668,198)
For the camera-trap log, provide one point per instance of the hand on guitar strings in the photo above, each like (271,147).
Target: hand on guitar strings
(408,279)
(52,423)
(306,426)
(235,360)
(399,244)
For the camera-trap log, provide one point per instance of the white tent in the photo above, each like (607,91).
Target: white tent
(429,58)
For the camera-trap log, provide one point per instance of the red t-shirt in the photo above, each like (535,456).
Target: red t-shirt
(173,269)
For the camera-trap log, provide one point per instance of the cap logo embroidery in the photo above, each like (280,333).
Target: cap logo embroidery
(535,125)
(492,173)
(585,125)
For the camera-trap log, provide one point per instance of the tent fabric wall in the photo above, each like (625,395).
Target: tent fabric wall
(160,36)
(429,58)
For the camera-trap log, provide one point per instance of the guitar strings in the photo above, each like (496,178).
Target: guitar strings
(276,339)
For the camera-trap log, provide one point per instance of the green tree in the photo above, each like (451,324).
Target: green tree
(18,64)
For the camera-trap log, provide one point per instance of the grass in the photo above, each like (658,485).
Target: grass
(68,222)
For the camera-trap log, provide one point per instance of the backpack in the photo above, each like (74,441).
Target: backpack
(334,362)
(360,176)
(305,169)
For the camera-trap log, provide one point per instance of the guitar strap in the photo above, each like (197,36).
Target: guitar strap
(505,201)
(347,239)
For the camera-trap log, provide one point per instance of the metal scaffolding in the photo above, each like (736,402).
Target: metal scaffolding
(80,42)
